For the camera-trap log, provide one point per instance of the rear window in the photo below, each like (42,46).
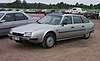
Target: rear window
(85,20)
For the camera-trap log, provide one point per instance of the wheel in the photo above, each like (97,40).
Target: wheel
(20,41)
(86,35)
(49,40)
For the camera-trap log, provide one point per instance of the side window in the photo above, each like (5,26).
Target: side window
(67,20)
(20,16)
(85,20)
(77,19)
(8,17)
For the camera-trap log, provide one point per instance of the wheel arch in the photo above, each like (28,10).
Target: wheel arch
(52,32)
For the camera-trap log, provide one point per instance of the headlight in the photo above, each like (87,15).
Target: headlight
(10,31)
(27,33)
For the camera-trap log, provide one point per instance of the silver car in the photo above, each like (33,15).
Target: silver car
(52,28)
(10,19)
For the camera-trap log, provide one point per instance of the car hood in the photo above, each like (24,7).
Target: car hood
(30,27)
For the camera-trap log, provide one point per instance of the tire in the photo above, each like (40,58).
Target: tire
(86,35)
(20,41)
(49,40)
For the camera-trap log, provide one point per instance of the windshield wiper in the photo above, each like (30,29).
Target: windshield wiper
(38,22)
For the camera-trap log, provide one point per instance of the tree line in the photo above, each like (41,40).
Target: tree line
(61,5)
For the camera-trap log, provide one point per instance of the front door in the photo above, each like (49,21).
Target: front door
(20,19)
(7,25)
(66,30)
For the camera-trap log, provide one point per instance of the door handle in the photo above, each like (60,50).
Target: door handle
(72,27)
(83,26)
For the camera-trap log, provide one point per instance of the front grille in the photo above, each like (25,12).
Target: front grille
(17,34)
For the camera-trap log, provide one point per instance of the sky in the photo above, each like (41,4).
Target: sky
(56,1)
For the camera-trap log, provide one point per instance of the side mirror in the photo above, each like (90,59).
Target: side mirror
(64,23)
(2,21)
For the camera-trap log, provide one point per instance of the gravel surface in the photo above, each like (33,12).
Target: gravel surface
(68,50)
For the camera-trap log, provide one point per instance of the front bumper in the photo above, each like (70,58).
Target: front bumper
(92,31)
(23,38)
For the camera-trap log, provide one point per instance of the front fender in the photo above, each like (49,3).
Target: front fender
(55,31)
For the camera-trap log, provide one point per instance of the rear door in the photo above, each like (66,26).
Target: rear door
(20,19)
(79,27)
(86,24)
(7,25)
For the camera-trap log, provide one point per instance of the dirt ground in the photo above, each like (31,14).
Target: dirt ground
(68,50)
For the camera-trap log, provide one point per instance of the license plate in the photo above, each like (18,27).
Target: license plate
(16,38)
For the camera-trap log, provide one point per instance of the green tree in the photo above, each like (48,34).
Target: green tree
(81,5)
(77,4)
(91,6)
(17,4)
(61,5)
(97,6)
(24,4)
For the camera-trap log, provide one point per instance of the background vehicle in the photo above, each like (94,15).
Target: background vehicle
(52,28)
(94,14)
(99,14)
(36,11)
(50,11)
(10,19)
(75,10)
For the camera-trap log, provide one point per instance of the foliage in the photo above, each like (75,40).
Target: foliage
(61,5)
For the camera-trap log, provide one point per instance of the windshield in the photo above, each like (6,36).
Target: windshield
(1,14)
(50,19)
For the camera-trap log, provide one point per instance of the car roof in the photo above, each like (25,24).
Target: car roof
(62,14)
(10,12)
(71,15)
(56,13)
